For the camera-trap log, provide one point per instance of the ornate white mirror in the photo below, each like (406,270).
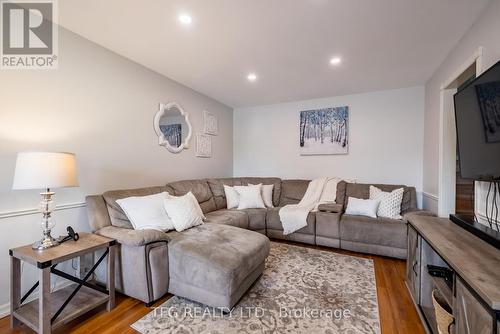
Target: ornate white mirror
(172,126)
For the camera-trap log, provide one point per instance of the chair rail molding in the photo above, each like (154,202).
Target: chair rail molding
(33,211)
(430,196)
(430,202)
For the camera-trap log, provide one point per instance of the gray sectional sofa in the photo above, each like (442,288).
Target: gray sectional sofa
(215,263)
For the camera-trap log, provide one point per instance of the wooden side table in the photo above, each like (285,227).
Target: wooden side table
(51,310)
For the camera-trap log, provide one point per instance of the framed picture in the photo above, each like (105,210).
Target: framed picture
(324,131)
(203,145)
(210,123)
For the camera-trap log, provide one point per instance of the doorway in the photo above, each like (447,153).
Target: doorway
(455,194)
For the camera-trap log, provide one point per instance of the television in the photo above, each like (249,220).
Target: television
(477,116)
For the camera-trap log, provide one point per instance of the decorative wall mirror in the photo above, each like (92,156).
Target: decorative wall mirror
(172,126)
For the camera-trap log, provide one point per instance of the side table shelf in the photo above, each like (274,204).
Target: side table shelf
(85,300)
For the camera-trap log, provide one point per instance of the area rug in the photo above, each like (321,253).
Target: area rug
(302,290)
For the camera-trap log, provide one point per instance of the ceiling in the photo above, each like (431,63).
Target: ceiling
(383,44)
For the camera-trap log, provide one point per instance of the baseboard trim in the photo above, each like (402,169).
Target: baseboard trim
(4,310)
(26,212)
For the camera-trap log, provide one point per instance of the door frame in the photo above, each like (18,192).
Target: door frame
(447,136)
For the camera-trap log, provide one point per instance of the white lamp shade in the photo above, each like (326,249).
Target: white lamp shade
(41,170)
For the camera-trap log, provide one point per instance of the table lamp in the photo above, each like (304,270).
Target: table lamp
(45,170)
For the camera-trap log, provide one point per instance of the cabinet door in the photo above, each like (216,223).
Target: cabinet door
(471,317)
(413,264)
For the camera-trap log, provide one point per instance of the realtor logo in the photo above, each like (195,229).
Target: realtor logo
(29,34)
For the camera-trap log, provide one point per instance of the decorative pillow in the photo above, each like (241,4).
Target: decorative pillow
(362,207)
(184,211)
(267,194)
(250,197)
(232,197)
(147,212)
(390,202)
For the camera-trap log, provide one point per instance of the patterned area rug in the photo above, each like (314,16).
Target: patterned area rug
(302,290)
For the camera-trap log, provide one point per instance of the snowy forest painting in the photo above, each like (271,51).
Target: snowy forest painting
(172,133)
(324,131)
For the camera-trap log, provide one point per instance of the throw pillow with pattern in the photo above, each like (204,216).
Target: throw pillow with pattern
(390,202)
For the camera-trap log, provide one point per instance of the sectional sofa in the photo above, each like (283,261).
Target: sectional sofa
(216,262)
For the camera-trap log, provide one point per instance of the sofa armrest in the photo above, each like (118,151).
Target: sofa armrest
(97,212)
(416,212)
(330,207)
(132,237)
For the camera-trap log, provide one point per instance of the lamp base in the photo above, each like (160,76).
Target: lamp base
(46,207)
(47,242)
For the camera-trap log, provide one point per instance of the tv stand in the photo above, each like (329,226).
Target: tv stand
(481,231)
(461,267)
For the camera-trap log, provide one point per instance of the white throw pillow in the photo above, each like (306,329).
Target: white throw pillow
(390,202)
(362,207)
(184,211)
(147,212)
(232,197)
(250,197)
(267,194)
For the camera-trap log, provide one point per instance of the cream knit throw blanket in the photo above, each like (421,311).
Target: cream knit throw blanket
(321,190)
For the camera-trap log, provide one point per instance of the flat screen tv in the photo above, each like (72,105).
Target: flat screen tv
(477,115)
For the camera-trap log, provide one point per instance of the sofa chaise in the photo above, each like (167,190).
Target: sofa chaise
(215,263)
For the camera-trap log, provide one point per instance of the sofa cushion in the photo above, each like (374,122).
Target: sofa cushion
(292,191)
(378,231)
(273,221)
(360,190)
(116,214)
(200,190)
(228,217)
(256,218)
(328,224)
(215,257)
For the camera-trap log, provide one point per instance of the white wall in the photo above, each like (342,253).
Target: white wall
(100,106)
(385,140)
(486,33)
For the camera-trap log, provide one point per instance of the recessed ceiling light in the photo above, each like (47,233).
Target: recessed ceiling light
(252,77)
(185,19)
(335,60)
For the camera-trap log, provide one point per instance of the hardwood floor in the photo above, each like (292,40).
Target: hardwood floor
(397,313)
